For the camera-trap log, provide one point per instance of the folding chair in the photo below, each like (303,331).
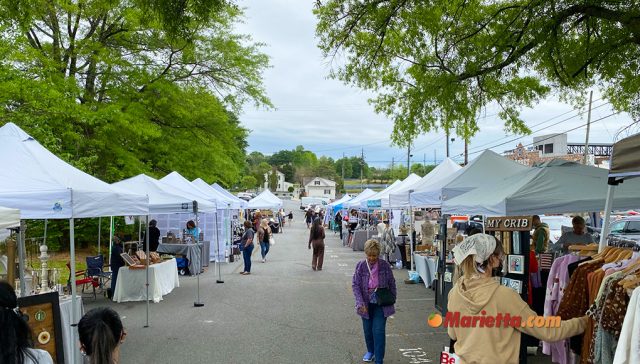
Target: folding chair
(82,280)
(95,269)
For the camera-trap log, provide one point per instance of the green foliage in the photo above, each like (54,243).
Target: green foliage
(118,92)
(249,182)
(439,64)
(273,180)
(290,189)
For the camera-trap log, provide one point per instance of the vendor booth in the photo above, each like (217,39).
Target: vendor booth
(242,204)
(382,198)
(400,197)
(8,218)
(43,186)
(265,201)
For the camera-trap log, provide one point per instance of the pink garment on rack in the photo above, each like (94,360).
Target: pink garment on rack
(558,280)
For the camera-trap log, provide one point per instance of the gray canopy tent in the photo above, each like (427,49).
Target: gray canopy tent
(557,186)
(625,164)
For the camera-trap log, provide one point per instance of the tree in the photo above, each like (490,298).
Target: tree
(107,88)
(249,182)
(273,180)
(438,64)
(348,171)
(289,172)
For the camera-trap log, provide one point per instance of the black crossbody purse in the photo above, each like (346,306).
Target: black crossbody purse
(384,297)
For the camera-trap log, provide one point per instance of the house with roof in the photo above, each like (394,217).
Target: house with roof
(282,186)
(320,187)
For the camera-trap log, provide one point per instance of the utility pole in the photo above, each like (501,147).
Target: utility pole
(361,170)
(409,159)
(447,143)
(424,164)
(466,152)
(393,162)
(343,173)
(586,142)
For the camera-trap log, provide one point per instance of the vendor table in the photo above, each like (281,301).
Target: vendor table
(193,252)
(426,266)
(359,238)
(163,278)
(70,344)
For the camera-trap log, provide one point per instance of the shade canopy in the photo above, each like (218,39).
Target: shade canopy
(184,186)
(400,197)
(228,202)
(43,186)
(381,199)
(163,198)
(240,202)
(337,204)
(8,218)
(625,158)
(362,196)
(555,187)
(487,169)
(265,200)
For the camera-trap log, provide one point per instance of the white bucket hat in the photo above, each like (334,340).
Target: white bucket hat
(479,245)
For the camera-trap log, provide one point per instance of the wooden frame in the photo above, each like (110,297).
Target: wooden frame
(51,322)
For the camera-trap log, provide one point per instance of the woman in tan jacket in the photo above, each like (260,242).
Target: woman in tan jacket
(486,318)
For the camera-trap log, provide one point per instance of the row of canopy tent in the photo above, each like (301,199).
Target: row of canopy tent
(42,186)
(265,200)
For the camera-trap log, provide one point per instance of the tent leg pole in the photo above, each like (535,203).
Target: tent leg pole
(99,232)
(74,319)
(219,280)
(607,216)
(411,237)
(21,267)
(146,238)
(110,238)
(197,303)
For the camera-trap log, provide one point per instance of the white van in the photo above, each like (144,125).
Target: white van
(305,202)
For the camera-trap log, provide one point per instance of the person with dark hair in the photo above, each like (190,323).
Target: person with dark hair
(540,237)
(316,240)
(579,235)
(101,333)
(247,246)
(116,262)
(338,221)
(193,230)
(154,237)
(16,343)
(264,234)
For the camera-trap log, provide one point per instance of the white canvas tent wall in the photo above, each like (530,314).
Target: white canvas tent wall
(375,198)
(8,218)
(242,204)
(488,168)
(555,187)
(381,199)
(340,201)
(265,200)
(400,197)
(625,164)
(44,186)
(354,203)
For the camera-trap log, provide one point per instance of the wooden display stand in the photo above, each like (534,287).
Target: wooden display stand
(43,317)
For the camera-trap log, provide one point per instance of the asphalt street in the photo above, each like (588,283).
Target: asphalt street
(284,312)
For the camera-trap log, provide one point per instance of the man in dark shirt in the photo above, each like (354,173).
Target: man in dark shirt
(154,237)
(116,262)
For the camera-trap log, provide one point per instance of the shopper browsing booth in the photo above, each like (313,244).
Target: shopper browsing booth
(477,293)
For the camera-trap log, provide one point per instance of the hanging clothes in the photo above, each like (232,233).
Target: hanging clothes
(628,350)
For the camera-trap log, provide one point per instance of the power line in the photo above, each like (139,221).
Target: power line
(541,140)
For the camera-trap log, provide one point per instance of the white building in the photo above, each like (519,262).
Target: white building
(320,187)
(282,188)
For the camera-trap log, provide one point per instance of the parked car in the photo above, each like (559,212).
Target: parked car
(627,228)
(306,202)
(245,196)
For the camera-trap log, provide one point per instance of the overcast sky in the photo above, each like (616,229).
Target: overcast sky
(331,118)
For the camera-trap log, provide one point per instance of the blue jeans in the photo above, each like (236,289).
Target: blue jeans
(246,255)
(374,331)
(264,249)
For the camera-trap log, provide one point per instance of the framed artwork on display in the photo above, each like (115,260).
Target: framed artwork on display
(516,243)
(516,264)
(515,285)
(505,281)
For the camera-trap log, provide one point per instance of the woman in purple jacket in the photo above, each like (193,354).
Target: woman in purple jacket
(371,274)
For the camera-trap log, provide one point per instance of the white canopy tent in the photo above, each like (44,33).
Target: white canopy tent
(362,196)
(265,200)
(44,186)
(219,196)
(375,199)
(400,197)
(242,204)
(555,187)
(182,186)
(489,168)
(8,218)
(625,164)
(382,198)
(340,201)
(163,198)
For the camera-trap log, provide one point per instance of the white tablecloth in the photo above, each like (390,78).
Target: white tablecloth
(426,268)
(130,286)
(69,342)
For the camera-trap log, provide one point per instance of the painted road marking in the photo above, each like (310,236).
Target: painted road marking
(416,355)
(334,256)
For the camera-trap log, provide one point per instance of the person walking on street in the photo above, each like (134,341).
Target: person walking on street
(338,220)
(264,233)
(308,216)
(290,217)
(388,240)
(374,289)
(316,241)
(247,246)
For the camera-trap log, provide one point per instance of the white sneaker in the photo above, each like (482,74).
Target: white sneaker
(263,260)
